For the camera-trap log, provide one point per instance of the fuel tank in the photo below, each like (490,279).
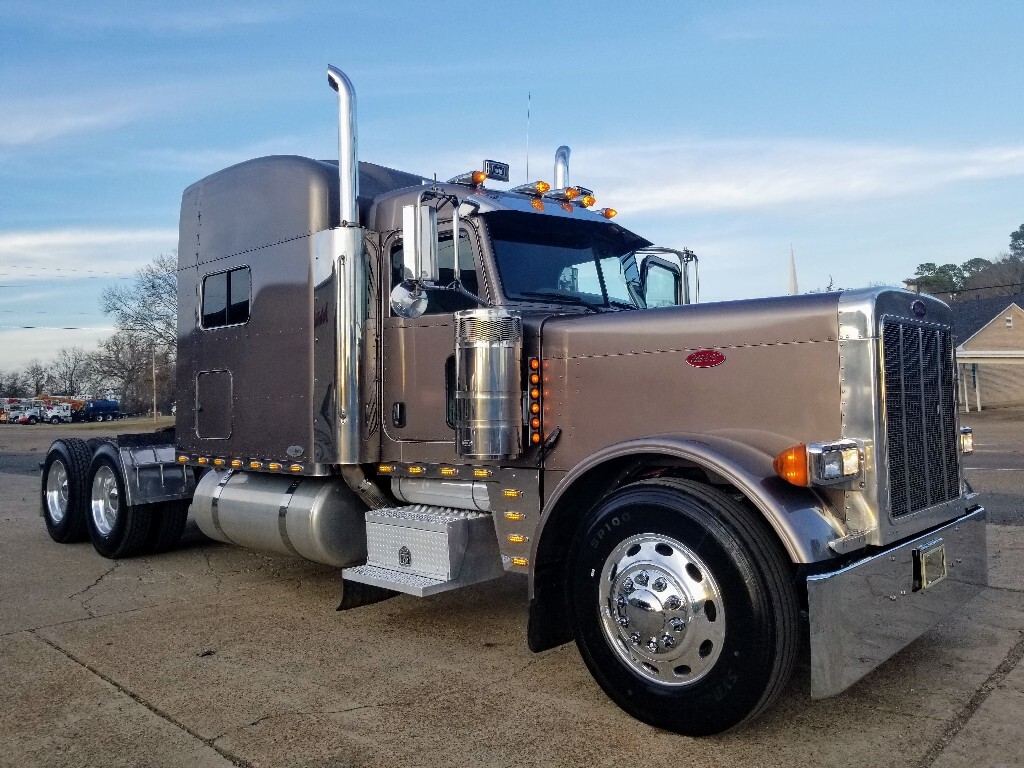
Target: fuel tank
(316,518)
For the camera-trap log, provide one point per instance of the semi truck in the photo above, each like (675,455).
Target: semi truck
(470,380)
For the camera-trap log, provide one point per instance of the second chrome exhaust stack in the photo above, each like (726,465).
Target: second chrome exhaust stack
(562,167)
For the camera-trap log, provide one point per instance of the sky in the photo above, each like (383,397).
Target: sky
(866,137)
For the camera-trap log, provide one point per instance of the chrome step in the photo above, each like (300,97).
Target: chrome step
(421,550)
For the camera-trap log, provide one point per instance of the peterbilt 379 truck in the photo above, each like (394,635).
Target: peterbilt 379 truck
(467,381)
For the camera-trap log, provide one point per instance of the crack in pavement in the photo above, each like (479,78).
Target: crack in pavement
(961,718)
(301,713)
(227,755)
(85,603)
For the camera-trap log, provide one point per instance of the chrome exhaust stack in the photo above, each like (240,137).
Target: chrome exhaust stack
(562,167)
(340,277)
(348,164)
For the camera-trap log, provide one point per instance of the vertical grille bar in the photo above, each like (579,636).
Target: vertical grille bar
(920,416)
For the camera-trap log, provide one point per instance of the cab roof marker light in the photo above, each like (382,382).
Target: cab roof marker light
(202,460)
(255,464)
(183,459)
(236,463)
(273,465)
(609,213)
(295,467)
(492,170)
(533,188)
(587,200)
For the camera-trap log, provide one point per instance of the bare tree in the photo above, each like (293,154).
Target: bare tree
(148,306)
(14,384)
(69,370)
(124,363)
(39,377)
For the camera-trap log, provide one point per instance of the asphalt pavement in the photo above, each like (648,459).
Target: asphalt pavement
(212,655)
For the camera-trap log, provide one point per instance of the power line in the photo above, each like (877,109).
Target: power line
(55,328)
(58,269)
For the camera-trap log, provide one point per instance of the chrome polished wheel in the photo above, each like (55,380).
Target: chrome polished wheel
(106,502)
(661,609)
(56,494)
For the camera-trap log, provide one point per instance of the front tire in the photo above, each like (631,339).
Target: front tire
(65,492)
(683,605)
(116,528)
(54,420)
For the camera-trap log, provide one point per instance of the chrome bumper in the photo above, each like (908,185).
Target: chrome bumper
(863,614)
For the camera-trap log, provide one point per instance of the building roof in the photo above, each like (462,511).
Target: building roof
(971,316)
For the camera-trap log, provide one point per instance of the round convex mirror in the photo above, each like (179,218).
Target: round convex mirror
(408,300)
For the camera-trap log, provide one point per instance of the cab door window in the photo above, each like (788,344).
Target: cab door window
(439,300)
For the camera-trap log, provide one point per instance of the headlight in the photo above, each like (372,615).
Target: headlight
(966,440)
(820,463)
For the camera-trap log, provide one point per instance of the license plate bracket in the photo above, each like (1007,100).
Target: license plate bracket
(930,565)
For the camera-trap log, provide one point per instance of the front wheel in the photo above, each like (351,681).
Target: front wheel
(54,420)
(683,606)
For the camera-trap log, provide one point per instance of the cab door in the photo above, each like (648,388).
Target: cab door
(418,357)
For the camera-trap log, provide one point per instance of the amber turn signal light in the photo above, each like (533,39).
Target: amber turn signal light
(791,465)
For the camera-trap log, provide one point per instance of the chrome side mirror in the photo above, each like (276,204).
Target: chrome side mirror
(419,239)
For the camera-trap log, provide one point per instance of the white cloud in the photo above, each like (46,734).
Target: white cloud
(83,253)
(21,346)
(31,121)
(700,176)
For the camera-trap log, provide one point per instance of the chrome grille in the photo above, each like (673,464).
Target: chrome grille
(920,415)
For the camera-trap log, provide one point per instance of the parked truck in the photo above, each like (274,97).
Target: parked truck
(468,381)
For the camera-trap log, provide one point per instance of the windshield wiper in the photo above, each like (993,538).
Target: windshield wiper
(563,298)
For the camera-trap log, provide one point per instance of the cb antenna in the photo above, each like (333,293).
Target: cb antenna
(528,136)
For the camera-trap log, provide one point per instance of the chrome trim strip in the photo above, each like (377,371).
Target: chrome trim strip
(282,517)
(215,499)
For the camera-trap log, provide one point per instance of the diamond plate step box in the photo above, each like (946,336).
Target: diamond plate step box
(422,550)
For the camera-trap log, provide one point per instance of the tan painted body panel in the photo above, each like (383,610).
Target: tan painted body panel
(616,377)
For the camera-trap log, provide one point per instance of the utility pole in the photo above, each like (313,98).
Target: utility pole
(154,385)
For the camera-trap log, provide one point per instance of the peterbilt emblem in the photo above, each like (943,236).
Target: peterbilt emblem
(294,451)
(705,358)
(919,308)
(405,557)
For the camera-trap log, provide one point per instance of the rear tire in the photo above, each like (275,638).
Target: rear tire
(683,605)
(116,528)
(65,492)
(168,525)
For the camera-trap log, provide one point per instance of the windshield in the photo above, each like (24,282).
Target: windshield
(561,260)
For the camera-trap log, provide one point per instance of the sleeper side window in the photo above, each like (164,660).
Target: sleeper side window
(226,298)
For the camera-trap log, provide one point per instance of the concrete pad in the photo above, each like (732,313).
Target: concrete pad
(1006,556)
(58,713)
(992,738)
(448,680)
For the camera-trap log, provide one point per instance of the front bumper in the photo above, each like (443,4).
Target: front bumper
(864,613)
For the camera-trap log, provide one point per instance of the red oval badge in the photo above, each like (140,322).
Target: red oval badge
(705,358)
